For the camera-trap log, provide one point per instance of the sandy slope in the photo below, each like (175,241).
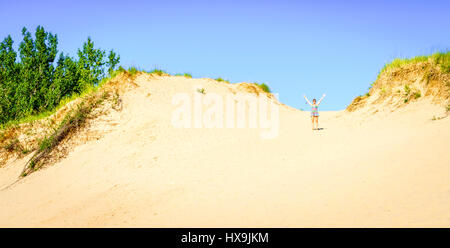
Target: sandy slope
(385,170)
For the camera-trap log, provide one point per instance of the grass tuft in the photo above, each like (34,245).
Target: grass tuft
(417,94)
(158,72)
(73,120)
(407,90)
(264,87)
(187,75)
(133,71)
(13,145)
(440,58)
(219,79)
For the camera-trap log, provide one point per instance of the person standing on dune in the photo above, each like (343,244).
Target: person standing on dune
(314,111)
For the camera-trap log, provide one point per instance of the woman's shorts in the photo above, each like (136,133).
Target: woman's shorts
(314,114)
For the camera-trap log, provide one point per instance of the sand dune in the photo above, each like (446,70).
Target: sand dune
(389,169)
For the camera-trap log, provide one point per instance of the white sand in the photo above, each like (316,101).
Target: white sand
(386,170)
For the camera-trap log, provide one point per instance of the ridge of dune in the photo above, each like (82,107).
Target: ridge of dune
(29,134)
(396,88)
(390,170)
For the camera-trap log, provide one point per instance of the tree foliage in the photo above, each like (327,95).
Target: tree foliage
(38,79)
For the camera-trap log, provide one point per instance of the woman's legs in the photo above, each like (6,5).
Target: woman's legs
(316,122)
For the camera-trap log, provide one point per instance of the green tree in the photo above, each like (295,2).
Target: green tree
(46,50)
(113,61)
(66,79)
(8,75)
(36,83)
(90,65)
(25,91)
(36,71)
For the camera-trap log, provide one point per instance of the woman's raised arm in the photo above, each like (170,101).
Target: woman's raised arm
(321,99)
(307,100)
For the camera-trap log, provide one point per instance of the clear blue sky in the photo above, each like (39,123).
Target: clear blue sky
(296,47)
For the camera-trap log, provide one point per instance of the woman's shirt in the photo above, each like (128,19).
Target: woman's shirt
(314,109)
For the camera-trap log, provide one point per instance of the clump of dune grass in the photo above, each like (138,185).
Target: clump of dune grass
(440,58)
(158,72)
(186,75)
(399,62)
(201,90)
(443,59)
(133,71)
(417,95)
(112,75)
(15,145)
(264,87)
(409,94)
(219,79)
(73,121)
(407,89)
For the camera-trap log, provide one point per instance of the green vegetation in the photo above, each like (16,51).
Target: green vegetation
(427,76)
(264,87)
(87,91)
(133,71)
(219,79)
(187,75)
(440,58)
(202,91)
(158,72)
(438,118)
(407,90)
(111,75)
(409,93)
(13,145)
(443,59)
(417,94)
(73,120)
(38,82)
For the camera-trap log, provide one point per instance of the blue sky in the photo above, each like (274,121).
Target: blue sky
(296,47)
